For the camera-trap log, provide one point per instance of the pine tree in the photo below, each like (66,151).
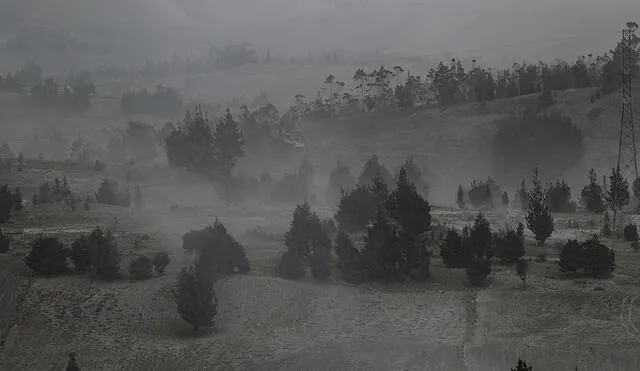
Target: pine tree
(306,239)
(481,237)
(539,218)
(356,209)
(340,180)
(195,299)
(591,195)
(381,253)
(104,254)
(374,168)
(407,207)
(455,250)
(227,143)
(72,364)
(522,366)
(618,193)
(350,261)
(460,197)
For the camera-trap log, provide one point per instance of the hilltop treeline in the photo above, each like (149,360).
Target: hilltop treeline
(451,83)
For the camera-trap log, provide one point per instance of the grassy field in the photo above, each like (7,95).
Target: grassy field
(266,323)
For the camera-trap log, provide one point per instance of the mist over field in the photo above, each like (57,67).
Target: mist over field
(319,185)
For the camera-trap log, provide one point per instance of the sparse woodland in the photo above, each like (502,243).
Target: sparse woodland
(380,230)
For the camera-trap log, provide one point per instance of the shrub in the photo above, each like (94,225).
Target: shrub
(509,248)
(480,195)
(455,250)
(631,232)
(195,299)
(108,194)
(80,253)
(47,256)
(599,259)
(5,242)
(218,251)
(478,270)
(104,254)
(559,198)
(591,258)
(141,268)
(291,266)
(160,261)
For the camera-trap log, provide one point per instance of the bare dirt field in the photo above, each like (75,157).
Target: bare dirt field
(266,323)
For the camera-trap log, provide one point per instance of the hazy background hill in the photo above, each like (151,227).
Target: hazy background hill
(124,32)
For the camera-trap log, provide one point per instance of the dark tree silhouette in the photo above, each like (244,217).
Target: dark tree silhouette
(160,261)
(522,366)
(618,192)
(539,218)
(195,299)
(381,253)
(591,196)
(72,364)
(460,197)
(47,256)
(5,242)
(80,253)
(227,144)
(104,254)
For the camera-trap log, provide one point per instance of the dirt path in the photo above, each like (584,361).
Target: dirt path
(626,313)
